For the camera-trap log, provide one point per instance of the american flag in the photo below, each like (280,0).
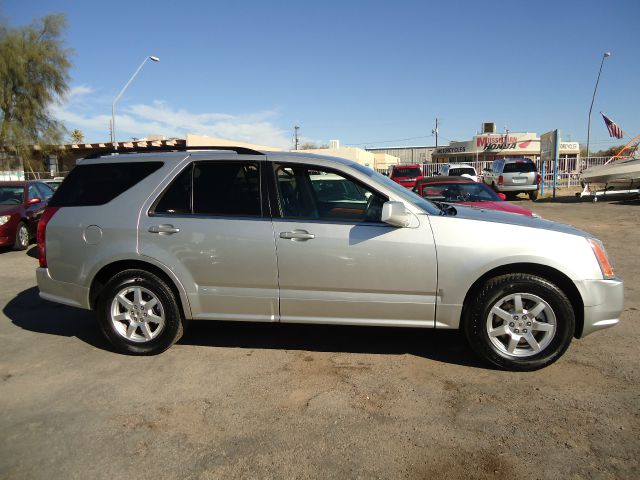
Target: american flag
(614,130)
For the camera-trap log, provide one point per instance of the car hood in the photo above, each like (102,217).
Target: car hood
(9,209)
(497,216)
(501,205)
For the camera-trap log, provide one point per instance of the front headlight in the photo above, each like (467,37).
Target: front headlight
(601,256)
(4,219)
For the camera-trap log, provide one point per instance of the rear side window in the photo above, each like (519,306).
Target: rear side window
(215,188)
(100,183)
(520,167)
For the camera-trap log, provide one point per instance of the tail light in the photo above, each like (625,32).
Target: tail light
(538,178)
(49,212)
(500,180)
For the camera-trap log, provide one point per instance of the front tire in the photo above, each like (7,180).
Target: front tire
(139,314)
(22,237)
(519,322)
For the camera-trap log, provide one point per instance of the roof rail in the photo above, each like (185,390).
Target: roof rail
(173,148)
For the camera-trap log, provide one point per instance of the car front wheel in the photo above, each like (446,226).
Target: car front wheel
(22,237)
(519,322)
(139,314)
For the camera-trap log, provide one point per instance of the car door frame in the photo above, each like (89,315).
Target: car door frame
(429,319)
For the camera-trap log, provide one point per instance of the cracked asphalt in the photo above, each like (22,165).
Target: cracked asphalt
(298,401)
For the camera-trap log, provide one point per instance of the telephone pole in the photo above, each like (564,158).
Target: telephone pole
(435,132)
(295,136)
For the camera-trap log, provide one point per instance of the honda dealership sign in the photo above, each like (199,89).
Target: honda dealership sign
(512,143)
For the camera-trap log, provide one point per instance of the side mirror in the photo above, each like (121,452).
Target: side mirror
(33,201)
(502,196)
(395,213)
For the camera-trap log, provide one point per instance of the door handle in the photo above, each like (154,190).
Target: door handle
(297,235)
(164,229)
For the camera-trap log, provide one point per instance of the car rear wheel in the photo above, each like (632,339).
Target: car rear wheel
(139,314)
(22,237)
(519,322)
(533,195)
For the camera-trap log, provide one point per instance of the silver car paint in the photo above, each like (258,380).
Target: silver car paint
(240,269)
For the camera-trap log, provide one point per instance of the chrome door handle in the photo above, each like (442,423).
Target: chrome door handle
(297,235)
(164,229)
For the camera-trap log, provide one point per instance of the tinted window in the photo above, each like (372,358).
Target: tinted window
(318,194)
(45,191)
(407,172)
(100,183)
(231,188)
(33,193)
(521,166)
(460,192)
(177,198)
(456,172)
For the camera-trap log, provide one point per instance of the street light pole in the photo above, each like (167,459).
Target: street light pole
(113,105)
(604,55)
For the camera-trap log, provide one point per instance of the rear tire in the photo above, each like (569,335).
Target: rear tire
(533,195)
(139,314)
(519,322)
(22,237)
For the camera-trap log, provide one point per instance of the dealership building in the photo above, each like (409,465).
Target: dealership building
(487,147)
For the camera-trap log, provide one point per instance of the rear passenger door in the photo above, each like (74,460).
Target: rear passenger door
(212,228)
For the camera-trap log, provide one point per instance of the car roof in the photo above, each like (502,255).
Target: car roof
(15,183)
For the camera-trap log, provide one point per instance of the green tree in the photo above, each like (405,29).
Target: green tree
(34,66)
(77,136)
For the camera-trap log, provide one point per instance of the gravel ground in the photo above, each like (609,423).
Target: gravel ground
(293,401)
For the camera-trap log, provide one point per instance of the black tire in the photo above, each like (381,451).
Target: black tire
(533,195)
(150,287)
(494,349)
(22,237)
(511,195)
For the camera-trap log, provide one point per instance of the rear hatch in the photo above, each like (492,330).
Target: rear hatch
(519,173)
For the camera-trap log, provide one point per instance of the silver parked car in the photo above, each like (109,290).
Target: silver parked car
(512,176)
(152,240)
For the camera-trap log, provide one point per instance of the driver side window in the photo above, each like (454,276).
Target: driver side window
(313,193)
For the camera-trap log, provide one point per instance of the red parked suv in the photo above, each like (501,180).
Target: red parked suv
(21,206)
(406,175)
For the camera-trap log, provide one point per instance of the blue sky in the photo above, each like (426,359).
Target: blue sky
(364,72)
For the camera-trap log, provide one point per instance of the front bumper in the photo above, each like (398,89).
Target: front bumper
(603,304)
(61,292)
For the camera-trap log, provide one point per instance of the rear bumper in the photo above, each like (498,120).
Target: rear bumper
(61,292)
(604,302)
(517,188)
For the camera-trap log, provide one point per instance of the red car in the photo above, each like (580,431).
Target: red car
(466,192)
(406,175)
(21,206)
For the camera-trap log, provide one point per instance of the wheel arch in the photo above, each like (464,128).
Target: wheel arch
(544,271)
(102,277)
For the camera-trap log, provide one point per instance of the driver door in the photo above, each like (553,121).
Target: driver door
(338,262)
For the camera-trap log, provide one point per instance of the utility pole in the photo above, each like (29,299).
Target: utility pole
(435,132)
(295,136)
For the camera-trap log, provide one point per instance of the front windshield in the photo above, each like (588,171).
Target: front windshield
(399,190)
(11,195)
(460,192)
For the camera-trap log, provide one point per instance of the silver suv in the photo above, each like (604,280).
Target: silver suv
(150,241)
(512,176)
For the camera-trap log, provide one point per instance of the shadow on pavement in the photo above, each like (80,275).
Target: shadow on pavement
(28,311)
(33,252)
